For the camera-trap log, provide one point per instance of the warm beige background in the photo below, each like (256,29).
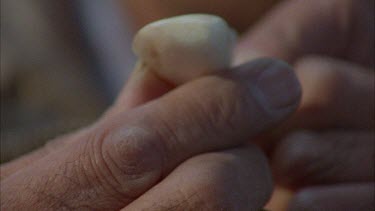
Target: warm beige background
(239,13)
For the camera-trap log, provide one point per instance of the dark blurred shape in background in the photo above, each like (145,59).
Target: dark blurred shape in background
(46,86)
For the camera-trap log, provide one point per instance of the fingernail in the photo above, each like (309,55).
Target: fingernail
(278,86)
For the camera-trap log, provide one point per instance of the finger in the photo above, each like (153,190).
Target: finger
(237,179)
(143,85)
(140,88)
(166,45)
(126,155)
(7,169)
(335,94)
(338,28)
(146,82)
(342,197)
(309,159)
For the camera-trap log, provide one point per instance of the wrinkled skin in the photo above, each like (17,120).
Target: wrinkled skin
(183,150)
(105,166)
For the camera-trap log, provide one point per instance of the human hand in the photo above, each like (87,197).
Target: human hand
(337,158)
(163,149)
(330,44)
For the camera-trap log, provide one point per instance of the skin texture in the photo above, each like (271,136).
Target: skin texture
(126,153)
(319,61)
(209,183)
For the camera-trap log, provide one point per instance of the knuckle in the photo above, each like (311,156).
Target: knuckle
(304,159)
(127,158)
(295,160)
(132,147)
(294,151)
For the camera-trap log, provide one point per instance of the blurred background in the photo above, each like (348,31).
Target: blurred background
(64,61)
